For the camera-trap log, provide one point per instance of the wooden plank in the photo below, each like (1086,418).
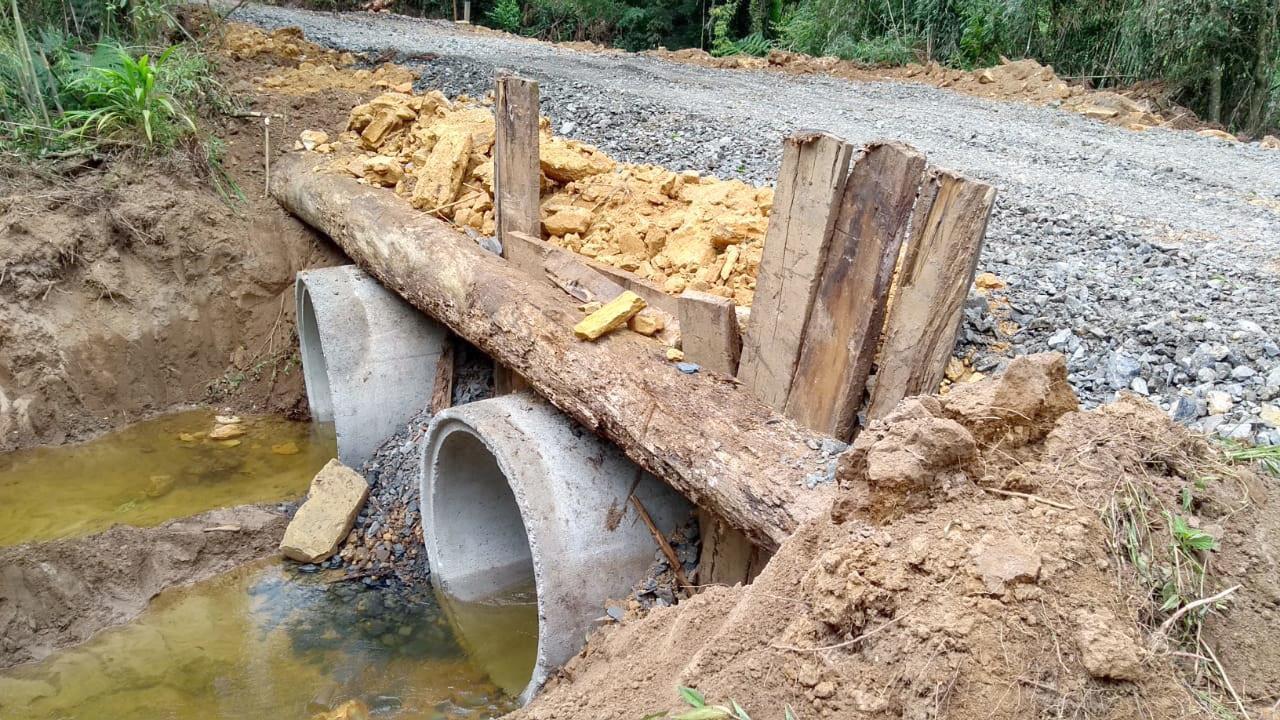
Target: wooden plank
(810,184)
(516,176)
(652,294)
(937,269)
(844,323)
(621,387)
(727,557)
(709,331)
(442,390)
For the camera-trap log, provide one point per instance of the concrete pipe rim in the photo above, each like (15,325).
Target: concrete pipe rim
(447,429)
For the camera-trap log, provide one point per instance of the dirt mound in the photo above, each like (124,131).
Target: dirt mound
(678,230)
(245,42)
(1138,108)
(977,565)
(60,593)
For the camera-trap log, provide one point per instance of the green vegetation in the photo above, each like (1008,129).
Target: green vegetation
(1221,58)
(86,76)
(700,709)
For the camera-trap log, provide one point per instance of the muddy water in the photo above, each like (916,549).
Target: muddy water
(154,471)
(263,642)
(499,634)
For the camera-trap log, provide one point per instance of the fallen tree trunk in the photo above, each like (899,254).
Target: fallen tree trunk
(710,439)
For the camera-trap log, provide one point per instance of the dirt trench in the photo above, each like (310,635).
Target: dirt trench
(130,287)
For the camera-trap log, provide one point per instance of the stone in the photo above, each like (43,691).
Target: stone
(568,161)
(159,486)
(1219,402)
(613,315)
(227,432)
(675,354)
(647,324)
(1106,650)
(312,138)
(1183,409)
(1122,370)
(382,170)
(349,710)
(336,495)
(286,448)
(1270,414)
(1269,142)
(567,220)
(1005,561)
(1217,134)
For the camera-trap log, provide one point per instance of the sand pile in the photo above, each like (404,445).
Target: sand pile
(245,42)
(677,230)
(935,590)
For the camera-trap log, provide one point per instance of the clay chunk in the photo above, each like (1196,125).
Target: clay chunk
(613,315)
(336,495)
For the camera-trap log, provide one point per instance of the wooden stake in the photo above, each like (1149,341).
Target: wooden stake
(674,560)
(709,331)
(517,183)
(442,391)
(936,272)
(810,184)
(843,328)
(516,175)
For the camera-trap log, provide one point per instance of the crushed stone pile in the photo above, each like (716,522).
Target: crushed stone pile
(679,230)
(979,563)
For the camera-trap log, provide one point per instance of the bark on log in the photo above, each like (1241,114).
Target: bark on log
(714,442)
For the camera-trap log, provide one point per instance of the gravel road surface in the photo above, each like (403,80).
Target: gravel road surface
(1150,259)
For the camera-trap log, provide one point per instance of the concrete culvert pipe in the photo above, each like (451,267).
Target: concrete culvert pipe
(514,491)
(368,357)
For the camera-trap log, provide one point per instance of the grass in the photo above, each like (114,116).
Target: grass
(1266,456)
(120,101)
(700,709)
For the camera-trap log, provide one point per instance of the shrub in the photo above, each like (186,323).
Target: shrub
(506,15)
(120,100)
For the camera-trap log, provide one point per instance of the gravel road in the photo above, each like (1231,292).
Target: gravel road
(1150,259)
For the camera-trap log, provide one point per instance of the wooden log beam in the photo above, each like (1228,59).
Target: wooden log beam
(709,331)
(937,269)
(715,443)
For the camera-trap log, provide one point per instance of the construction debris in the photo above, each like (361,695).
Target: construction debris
(675,230)
(611,316)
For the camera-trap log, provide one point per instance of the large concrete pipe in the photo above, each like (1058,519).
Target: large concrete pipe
(514,491)
(368,357)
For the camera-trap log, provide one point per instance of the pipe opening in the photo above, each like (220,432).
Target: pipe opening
(485,568)
(314,368)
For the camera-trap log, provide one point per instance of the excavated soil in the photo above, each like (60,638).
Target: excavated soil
(677,230)
(59,593)
(976,566)
(129,286)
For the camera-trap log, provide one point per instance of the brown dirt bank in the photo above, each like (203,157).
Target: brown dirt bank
(60,593)
(129,286)
(927,593)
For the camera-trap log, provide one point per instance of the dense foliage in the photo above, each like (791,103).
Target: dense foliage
(80,76)
(1220,57)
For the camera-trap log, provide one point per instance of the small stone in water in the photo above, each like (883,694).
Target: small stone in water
(285,448)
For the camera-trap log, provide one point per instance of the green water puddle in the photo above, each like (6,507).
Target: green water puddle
(155,471)
(264,642)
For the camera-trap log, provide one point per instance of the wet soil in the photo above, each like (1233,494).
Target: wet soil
(129,286)
(59,593)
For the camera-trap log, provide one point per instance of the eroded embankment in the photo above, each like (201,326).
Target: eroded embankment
(979,563)
(59,593)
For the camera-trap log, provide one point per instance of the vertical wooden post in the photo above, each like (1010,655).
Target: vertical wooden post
(517,182)
(709,331)
(937,269)
(810,184)
(843,329)
(517,178)
(466,11)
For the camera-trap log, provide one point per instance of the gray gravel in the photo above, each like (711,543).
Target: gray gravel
(1150,259)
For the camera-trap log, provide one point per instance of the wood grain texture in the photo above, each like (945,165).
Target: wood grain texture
(937,269)
(805,204)
(709,331)
(843,328)
(517,178)
(708,438)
